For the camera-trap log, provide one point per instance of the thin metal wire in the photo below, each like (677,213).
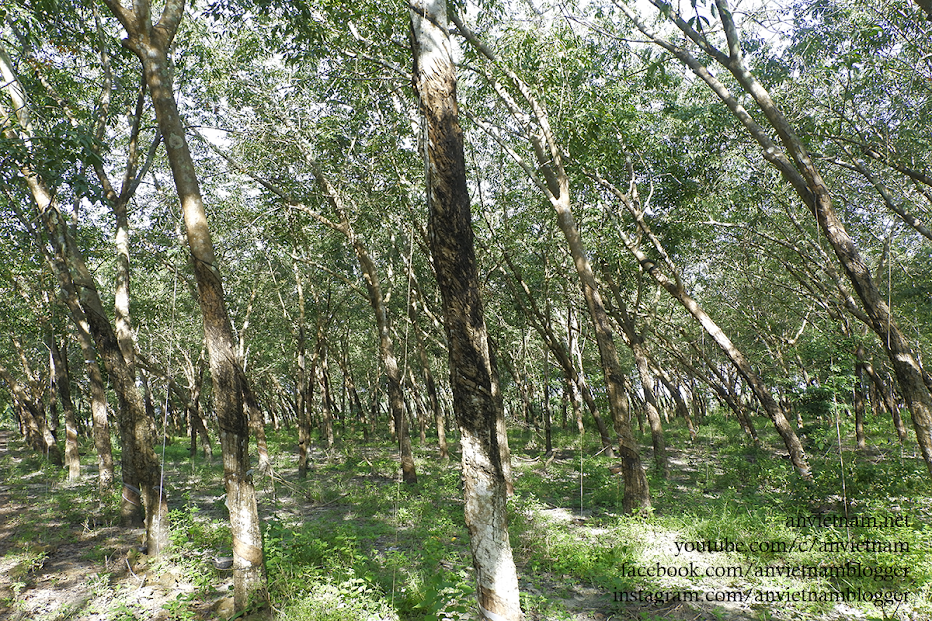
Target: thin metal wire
(165,409)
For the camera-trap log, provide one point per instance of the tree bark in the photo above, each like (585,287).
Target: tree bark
(129,417)
(62,381)
(150,43)
(129,506)
(473,376)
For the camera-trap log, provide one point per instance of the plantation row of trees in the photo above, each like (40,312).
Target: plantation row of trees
(697,206)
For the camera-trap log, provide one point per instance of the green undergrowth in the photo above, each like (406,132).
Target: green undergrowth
(407,547)
(350,541)
(379,545)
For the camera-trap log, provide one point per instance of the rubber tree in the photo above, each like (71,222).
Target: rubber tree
(563,353)
(792,158)
(377,301)
(476,398)
(555,186)
(151,42)
(668,276)
(58,368)
(96,335)
(343,208)
(638,346)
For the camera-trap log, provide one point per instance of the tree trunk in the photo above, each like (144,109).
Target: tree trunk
(129,506)
(257,424)
(637,494)
(541,323)
(28,412)
(131,512)
(556,187)
(473,377)
(79,291)
(887,397)
(652,409)
(574,394)
(52,419)
(327,419)
(429,382)
(99,421)
(63,386)
(545,407)
(383,325)
(680,405)
(677,290)
(859,384)
(304,420)
(45,439)
(151,43)
(635,342)
(908,371)
(575,402)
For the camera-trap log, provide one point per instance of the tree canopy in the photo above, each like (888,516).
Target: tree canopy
(676,208)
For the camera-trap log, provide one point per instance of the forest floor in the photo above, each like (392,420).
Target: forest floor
(351,543)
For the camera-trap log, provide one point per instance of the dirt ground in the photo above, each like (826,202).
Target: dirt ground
(54,568)
(57,565)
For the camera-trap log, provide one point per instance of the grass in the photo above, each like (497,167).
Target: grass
(350,542)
